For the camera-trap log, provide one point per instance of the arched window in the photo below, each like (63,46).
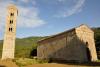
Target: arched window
(87,44)
(10,29)
(11,21)
(12,14)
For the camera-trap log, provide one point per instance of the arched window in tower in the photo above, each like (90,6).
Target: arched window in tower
(12,14)
(10,29)
(11,21)
(87,44)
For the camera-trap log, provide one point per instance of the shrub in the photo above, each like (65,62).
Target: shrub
(27,61)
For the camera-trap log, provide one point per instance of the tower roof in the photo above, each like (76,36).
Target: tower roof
(63,33)
(12,6)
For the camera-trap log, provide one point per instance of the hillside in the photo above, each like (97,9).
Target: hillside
(24,46)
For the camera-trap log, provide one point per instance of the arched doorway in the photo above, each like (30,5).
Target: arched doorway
(33,52)
(88,52)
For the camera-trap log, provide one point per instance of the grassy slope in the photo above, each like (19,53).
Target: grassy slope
(23,46)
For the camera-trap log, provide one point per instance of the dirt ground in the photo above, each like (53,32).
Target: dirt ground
(12,64)
(64,65)
(6,63)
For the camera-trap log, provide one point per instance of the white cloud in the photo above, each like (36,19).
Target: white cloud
(27,1)
(29,22)
(24,1)
(28,16)
(61,0)
(2,16)
(73,10)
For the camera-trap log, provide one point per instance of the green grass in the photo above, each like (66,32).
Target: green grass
(23,46)
(98,61)
(27,61)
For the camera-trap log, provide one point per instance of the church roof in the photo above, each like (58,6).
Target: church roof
(73,29)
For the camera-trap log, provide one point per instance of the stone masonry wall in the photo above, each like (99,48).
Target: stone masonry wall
(87,36)
(66,48)
(71,46)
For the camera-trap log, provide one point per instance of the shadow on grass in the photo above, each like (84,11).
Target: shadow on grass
(2,66)
(77,63)
(86,64)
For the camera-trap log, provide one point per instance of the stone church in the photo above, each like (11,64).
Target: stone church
(76,44)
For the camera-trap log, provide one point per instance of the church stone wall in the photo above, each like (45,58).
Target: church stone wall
(50,46)
(69,46)
(87,36)
(66,48)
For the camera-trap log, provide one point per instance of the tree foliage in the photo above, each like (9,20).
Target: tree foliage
(97,40)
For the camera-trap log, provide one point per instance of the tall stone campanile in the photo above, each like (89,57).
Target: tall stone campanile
(10,33)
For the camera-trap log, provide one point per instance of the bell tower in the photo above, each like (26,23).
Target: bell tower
(10,33)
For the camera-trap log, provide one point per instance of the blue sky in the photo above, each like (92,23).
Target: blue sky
(48,17)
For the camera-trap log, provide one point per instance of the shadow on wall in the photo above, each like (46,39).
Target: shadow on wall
(88,52)
(74,51)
